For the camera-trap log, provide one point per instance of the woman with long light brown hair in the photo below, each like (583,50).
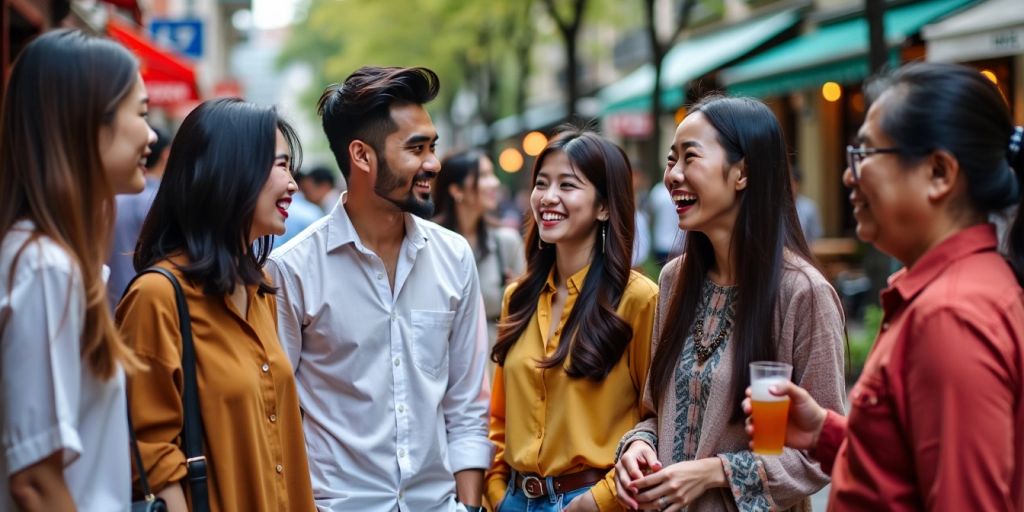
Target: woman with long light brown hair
(73,133)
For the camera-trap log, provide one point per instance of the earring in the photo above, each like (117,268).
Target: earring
(604,233)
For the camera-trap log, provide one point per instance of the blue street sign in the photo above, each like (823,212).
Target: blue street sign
(183,35)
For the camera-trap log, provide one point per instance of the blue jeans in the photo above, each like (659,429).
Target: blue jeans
(516,501)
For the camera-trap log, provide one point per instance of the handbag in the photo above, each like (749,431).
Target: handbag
(192,424)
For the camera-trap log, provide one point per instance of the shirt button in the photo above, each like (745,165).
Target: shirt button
(380,275)
(401,452)
(398,362)
(265,367)
(273,418)
(401,408)
(885,326)
(279,468)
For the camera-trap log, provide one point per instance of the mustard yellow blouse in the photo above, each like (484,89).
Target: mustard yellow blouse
(546,423)
(252,426)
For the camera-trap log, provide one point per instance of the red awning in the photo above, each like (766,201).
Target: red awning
(170,80)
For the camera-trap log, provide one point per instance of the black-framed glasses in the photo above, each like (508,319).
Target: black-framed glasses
(856,154)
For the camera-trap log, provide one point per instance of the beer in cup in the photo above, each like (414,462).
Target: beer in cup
(769,411)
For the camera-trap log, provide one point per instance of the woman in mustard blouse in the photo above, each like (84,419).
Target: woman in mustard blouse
(573,345)
(227,189)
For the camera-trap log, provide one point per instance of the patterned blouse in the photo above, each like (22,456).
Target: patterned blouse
(695,414)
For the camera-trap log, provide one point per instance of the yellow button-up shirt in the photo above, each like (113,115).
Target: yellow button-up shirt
(543,421)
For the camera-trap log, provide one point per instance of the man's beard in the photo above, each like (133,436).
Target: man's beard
(387,183)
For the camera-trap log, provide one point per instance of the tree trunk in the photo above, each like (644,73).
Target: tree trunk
(874,10)
(571,80)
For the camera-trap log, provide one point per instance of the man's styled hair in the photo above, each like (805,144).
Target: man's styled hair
(360,108)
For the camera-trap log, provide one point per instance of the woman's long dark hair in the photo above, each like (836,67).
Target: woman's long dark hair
(955,108)
(63,88)
(459,169)
(218,164)
(594,336)
(766,225)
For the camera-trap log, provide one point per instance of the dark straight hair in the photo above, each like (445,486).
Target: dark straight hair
(595,336)
(360,108)
(766,226)
(459,169)
(933,106)
(220,159)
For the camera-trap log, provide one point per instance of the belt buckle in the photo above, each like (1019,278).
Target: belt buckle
(524,485)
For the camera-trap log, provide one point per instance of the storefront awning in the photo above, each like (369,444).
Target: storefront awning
(836,52)
(169,79)
(989,30)
(691,59)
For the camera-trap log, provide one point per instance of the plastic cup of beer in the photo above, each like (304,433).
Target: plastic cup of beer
(769,411)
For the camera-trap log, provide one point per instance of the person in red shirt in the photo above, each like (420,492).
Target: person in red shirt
(936,419)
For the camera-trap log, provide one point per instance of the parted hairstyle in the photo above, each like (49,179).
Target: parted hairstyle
(955,108)
(220,159)
(63,88)
(766,225)
(360,108)
(595,336)
(459,169)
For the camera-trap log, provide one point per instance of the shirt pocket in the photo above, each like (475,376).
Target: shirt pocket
(430,333)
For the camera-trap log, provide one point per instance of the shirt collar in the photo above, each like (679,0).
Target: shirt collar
(342,232)
(575,282)
(905,284)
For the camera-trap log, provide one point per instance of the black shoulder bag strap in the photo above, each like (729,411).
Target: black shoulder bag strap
(192,428)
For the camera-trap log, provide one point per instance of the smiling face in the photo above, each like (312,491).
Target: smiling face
(124,142)
(276,195)
(408,166)
(890,198)
(565,204)
(704,185)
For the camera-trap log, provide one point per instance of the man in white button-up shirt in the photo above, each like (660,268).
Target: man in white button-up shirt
(381,316)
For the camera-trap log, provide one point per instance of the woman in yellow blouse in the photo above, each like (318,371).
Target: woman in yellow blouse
(561,402)
(226,190)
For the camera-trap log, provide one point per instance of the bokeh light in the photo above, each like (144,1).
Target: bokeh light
(510,160)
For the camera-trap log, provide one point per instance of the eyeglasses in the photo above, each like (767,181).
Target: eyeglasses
(856,154)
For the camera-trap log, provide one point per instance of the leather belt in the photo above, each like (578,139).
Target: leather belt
(534,486)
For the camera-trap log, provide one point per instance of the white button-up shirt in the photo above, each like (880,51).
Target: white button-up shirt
(50,401)
(391,382)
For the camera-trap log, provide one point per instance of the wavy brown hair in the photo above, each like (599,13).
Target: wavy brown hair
(596,335)
(63,88)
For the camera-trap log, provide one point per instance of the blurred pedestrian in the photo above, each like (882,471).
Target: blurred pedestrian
(937,417)
(380,313)
(806,210)
(465,195)
(318,187)
(574,343)
(744,290)
(72,134)
(131,212)
(224,195)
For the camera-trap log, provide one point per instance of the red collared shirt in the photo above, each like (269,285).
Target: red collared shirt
(936,419)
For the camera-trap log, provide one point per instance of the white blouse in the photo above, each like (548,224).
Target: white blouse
(50,400)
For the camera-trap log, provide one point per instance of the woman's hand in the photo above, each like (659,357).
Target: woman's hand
(638,460)
(679,485)
(806,417)
(583,503)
